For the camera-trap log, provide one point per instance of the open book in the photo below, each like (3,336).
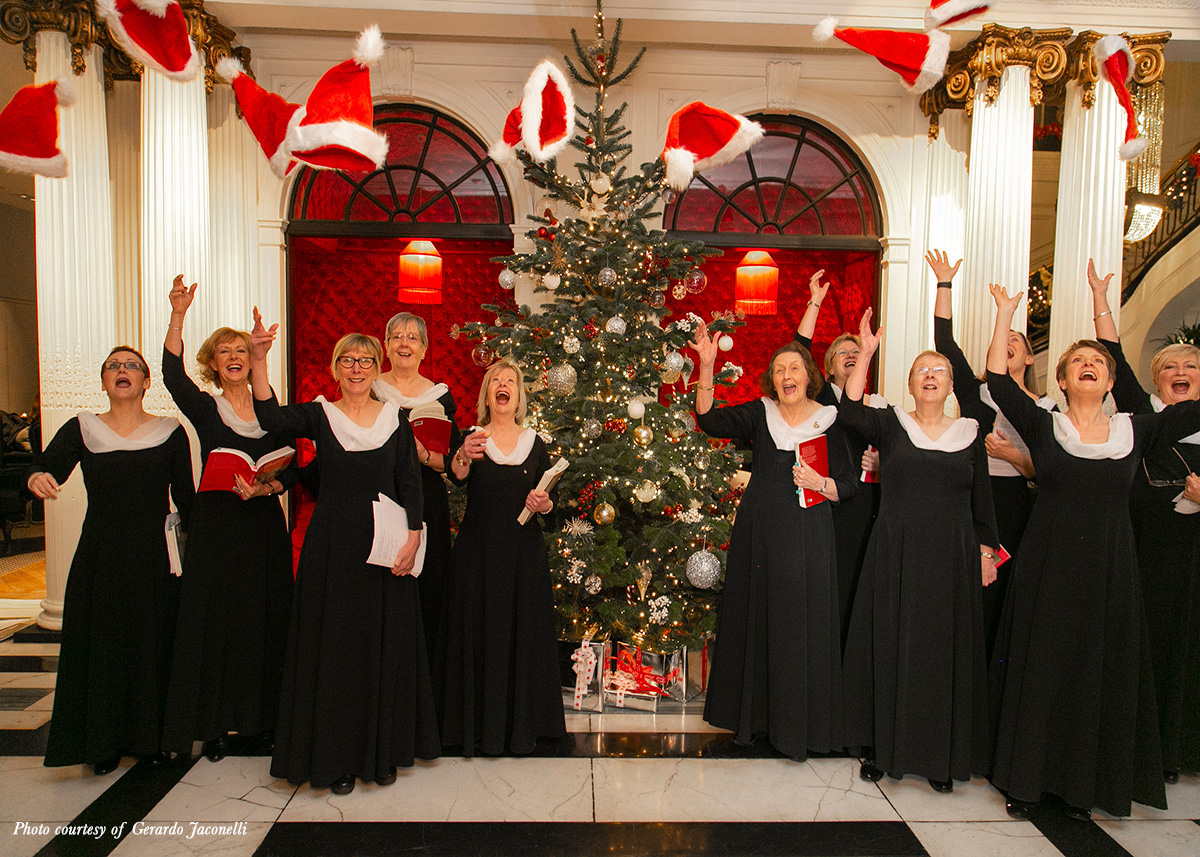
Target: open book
(815,453)
(224,463)
(431,427)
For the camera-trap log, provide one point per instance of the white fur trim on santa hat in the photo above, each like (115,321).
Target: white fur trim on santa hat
(531,111)
(1132,149)
(55,167)
(934,66)
(748,133)
(824,31)
(952,9)
(108,10)
(366,141)
(502,153)
(1111,46)
(154,7)
(368,50)
(681,168)
(230,67)
(65,93)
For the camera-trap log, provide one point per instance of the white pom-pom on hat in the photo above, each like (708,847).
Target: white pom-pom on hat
(65,92)
(824,31)
(368,50)
(230,67)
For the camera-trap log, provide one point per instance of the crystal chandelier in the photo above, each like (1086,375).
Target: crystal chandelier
(1143,205)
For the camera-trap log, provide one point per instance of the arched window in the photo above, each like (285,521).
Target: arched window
(437,181)
(801,186)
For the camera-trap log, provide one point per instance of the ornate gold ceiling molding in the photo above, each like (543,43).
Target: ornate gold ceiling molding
(1148,61)
(22,20)
(983,62)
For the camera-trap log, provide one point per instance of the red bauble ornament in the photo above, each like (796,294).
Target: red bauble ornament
(543,233)
(617,425)
(588,141)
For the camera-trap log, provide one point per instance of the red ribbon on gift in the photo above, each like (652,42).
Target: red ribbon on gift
(644,679)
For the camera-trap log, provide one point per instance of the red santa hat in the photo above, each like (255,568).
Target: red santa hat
(943,13)
(1116,66)
(268,115)
(153,32)
(919,58)
(699,137)
(336,130)
(29,129)
(542,122)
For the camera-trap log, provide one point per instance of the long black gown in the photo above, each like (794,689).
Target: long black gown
(500,669)
(237,588)
(1168,543)
(435,575)
(121,598)
(1011,494)
(1071,674)
(853,517)
(915,670)
(357,697)
(777,667)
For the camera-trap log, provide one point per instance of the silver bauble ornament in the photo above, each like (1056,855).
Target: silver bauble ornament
(701,460)
(551,281)
(482,355)
(658,300)
(646,492)
(616,325)
(670,195)
(703,569)
(606,277)
(561,379)
(571,344)
(695,280)
(725,343)
(592,584)
(592,428)
(673,362)
(636,410)
(601,184)
(507,278)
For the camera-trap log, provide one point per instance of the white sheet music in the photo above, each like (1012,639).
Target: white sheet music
(391,534)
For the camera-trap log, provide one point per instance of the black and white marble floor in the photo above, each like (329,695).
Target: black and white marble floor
(625,782)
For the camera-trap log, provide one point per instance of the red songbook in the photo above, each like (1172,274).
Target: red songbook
(814,453)
(871,477)
(223,464)
(431,427)
(1002,556)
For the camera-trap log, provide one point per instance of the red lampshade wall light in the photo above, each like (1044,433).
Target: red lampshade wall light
(420,274)
(756,287)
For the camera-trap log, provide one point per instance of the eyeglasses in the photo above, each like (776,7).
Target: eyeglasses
(131,365)
(930,370)
(845,352)
(403,337)
(346,361)
(1167,483)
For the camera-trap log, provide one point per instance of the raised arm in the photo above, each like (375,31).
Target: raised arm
(808,322)
(939,263)
(705,347)
(181,298)
(1006,308)
(1102,315)
(261,340)
(856,384)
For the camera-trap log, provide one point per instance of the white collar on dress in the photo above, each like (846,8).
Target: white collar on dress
(356,438)
(959,436)
(1158,405)
(871,400)
(786,437)
(99,437)
(387,393)
(1118,445)
(519,453)
(246,428)
(985,396)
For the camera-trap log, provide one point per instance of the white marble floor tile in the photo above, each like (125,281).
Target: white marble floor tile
(983,839)
(237,840)
(916,801)
(1169,838)
(10,680)
(238,788)
(1183,801)
(14,844)
(26,719)
(460,790)
(8,647)
(578,721)
(30,792)
(735,790)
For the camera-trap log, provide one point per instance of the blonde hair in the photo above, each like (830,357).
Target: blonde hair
(845,337)
(483,414)
(1173,351)
(356,342)
(1060,371)
(209,350)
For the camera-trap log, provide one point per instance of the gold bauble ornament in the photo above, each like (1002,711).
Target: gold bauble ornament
(643,435)
(604,514)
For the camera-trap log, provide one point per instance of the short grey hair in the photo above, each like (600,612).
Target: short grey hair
(407,318)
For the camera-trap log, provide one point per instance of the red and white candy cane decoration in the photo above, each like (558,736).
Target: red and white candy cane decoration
(584,667)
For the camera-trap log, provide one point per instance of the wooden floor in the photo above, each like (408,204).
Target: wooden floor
(27,582)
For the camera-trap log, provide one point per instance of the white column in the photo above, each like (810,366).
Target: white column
(946,202)
(75,290)
(174,212)
(226,297)
(1091,206)
(999,208)
(123,167)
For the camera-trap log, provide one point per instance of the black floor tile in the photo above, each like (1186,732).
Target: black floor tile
(813,839)
(28,663)
(24,742)
(1074,838)
(37,634)
(20,698)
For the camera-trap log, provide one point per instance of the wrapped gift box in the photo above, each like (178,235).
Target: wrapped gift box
(679,675)
(582,667)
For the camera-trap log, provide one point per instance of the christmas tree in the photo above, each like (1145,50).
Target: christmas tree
(643,515)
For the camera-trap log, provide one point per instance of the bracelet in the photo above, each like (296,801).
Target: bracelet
(824,484)
(946,285)
(1098,317)
(813,303)
(463,461)
(987,554)
(700,386)
(173,327)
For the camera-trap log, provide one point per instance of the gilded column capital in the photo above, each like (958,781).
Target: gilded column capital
(1148,61)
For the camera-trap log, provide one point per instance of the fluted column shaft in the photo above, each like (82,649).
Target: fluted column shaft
(999,208)
(946,204)
(1088,225)
(124,167)
(75,291)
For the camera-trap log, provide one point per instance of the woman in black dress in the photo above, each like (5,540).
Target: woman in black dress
(854,516)
(1166,500)
(1009,465)
(1071,674)
(915,670)
(357,699)
(500,679)
(406,341)
(777,668)
(121,598)
(237,590)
